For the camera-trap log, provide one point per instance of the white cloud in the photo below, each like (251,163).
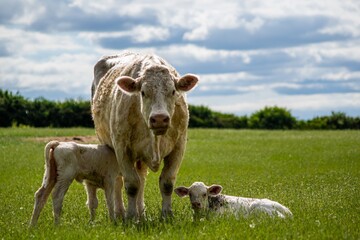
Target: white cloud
(25,43)
(181,54)
(64,73)
(138,34)
(331,50)
(224,78)
(31,10)
(94,7)
(340,75)
(199,33)
(143,33)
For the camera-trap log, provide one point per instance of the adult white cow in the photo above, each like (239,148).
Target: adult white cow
(139,109)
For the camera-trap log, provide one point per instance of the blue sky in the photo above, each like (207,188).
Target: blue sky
(302,55)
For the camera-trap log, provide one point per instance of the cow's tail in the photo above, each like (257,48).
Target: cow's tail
(50,165)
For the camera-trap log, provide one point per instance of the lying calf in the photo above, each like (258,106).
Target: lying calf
(94,165)
(205,198)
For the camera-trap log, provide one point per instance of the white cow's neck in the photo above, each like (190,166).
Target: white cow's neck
(156,150)
(156,154)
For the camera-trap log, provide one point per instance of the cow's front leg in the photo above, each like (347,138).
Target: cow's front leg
(168,177)
(142,173)
(131,183)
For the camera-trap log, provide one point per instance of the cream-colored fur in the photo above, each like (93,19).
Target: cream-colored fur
(208,198)
(135,91)
(94,165)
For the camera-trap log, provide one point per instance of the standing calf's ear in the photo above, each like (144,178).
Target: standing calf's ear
(186,82)
(214,189)
(181,191)
(128,84)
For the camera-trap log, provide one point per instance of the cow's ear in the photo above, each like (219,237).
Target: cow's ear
(181,191)
(128,84)
(186,82)
(214,189)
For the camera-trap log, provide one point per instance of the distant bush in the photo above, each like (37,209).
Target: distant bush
(203,117)
(272,118)
(337,120)
(13,108)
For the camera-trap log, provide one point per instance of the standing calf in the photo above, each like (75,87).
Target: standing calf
(94,165)
(204,198)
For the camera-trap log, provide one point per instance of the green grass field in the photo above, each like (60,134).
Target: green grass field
(314,173)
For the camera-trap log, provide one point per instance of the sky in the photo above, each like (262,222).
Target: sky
(302,55)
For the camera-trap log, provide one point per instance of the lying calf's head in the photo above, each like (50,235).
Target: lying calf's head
(198,193)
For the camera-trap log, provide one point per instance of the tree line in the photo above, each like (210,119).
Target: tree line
(15,110)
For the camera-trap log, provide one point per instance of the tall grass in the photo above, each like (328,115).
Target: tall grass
(314,173)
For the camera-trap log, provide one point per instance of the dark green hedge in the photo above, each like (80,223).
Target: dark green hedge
(15,110)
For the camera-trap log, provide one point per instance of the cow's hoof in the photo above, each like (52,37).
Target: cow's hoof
(167,214)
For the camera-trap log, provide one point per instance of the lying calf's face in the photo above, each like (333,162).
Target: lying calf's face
(198,193)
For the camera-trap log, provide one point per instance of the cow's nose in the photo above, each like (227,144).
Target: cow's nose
(159,121)
(196,205)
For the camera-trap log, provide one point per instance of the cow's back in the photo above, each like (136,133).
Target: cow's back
(106,63)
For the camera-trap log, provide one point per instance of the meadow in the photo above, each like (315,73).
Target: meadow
(314,173)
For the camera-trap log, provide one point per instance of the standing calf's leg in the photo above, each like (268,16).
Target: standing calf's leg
(58,194)
(118,200)
(48,184)
(41,197)
(109,195)
(92,201)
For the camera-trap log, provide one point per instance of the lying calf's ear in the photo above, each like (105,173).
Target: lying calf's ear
(214,189)
(181,191)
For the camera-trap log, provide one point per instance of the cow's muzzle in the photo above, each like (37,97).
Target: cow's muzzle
(159,123)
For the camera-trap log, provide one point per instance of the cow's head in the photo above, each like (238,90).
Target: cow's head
(159,90)
(199,194)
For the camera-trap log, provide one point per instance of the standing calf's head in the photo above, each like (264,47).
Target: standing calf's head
(159,91)
(198,193)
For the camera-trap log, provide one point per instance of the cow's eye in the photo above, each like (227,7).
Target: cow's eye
(204,195)
(173,92)
(143,93)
